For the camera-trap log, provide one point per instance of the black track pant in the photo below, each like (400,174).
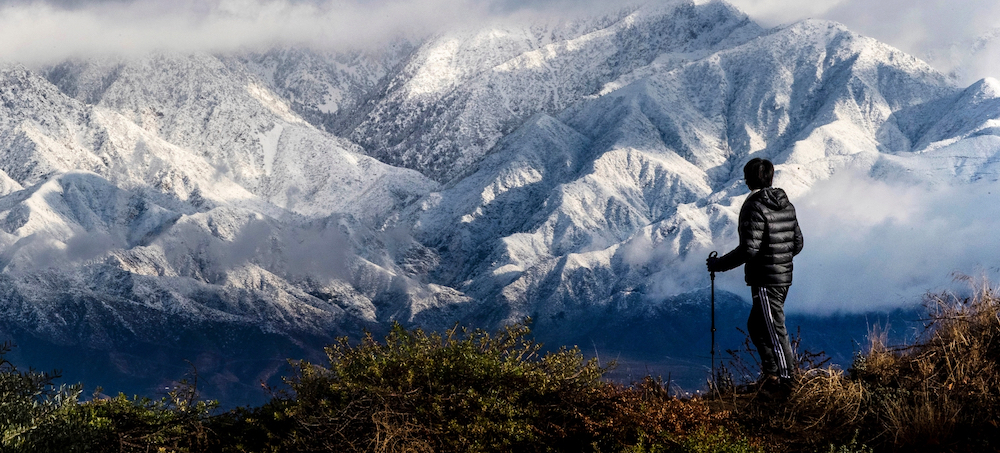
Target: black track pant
(767,330)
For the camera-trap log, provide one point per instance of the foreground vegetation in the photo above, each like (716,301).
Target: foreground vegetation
(941,393)
(473,391)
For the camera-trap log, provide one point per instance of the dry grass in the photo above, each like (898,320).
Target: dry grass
(946,386)
(941,393)
(827,399)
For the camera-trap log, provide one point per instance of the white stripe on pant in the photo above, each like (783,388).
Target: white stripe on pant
(768,333)
(779,351)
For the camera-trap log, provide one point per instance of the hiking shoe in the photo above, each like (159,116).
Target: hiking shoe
(777,388)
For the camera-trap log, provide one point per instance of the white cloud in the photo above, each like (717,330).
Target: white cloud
(771,13)
(959,38)
(870,245)
(873,245)
(945,34)
(40,32)
(45,32)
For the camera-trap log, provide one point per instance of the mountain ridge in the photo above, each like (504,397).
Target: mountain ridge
(571,172)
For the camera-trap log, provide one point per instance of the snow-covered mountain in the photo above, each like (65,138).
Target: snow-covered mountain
(576,172)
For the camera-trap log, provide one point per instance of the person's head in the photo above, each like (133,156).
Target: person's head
(758,173)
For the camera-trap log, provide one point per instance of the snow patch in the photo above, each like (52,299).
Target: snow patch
(273,103)
(438,72)
(269,141)
(331,103)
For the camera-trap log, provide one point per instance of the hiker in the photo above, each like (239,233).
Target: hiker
(769,238)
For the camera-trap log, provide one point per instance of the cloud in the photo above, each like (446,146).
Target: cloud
(46,32)
(948,35)
(945,34)
(770,13)
(39,251)
(872,245)
(960,39)
(316,250)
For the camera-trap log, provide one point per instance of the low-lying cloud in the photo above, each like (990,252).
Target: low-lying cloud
(957,38)
(878,245)
(46,32)
(960,39)
(43,32)
(872,245)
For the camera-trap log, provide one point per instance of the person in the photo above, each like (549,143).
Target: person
(769,238)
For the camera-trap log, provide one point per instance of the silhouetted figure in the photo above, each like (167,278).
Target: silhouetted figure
(769,238)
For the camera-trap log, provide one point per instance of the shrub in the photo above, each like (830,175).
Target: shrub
(465,391)
(718,440)
(32,408)
(37,416)
(851,447)
(175,423)
(460,391)
(416,392)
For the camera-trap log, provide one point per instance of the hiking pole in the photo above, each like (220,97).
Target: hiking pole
(712,273)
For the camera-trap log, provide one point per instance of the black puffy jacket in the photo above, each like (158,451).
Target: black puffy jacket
(769,238)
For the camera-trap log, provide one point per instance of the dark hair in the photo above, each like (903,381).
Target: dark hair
(758,173)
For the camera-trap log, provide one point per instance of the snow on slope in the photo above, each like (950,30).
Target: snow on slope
(460,93)
(160,170)
(248,134)
(598,208)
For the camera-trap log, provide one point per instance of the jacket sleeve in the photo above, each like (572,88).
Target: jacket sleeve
(751,229)
(798,239)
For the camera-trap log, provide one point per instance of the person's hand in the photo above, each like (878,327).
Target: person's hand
(713,263)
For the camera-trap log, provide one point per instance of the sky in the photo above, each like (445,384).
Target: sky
(958,38)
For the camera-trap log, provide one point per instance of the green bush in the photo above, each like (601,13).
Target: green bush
(33,411)
(851,447)
(704,439)
(719,440)
(460,391)
(175,423)
(37,416)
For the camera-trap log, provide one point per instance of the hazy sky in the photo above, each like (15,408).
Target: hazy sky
(39,31)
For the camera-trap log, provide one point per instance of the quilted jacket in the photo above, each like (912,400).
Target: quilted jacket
(769,238)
